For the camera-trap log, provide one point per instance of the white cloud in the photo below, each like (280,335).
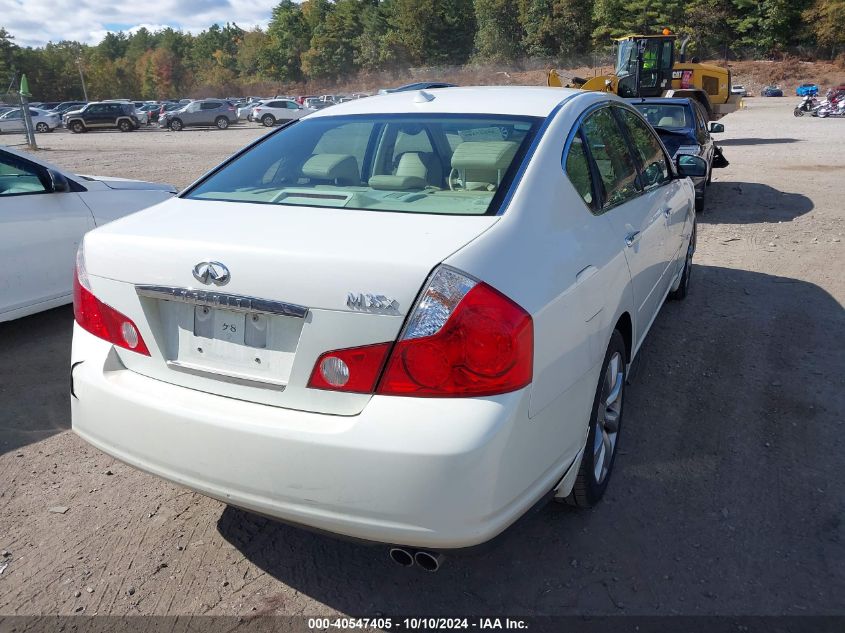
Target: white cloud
(36,22)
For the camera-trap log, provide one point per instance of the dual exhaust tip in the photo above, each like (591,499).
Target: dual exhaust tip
(428,561)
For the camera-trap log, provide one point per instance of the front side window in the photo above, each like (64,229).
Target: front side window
(612,157)
(415,163)
(18,177)
(655,167)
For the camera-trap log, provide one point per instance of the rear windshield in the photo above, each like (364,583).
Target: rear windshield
(444,164)
(672,116)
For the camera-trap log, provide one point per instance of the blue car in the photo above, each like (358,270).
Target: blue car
(683,126)
(805,90)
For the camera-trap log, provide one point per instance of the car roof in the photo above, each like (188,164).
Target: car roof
(660,100)
(497,100)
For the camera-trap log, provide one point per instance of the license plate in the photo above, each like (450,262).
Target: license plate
(223,325)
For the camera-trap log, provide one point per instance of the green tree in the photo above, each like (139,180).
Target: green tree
(288,37)
(499,33)
(332,52)
(825,19)
(8,51)
(432,32)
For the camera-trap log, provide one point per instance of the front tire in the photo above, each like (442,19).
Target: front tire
(683,288)
(42,127)
(268,120)
(605,424)
(176,125)
(77,127)
(222,123)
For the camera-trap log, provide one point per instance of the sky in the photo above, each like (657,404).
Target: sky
(36,22)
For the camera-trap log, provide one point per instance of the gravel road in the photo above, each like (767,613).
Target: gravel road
(727,497)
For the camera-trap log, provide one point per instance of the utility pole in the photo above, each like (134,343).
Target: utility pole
(81,76)
(27,119)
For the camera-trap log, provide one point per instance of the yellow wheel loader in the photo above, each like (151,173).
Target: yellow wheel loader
(646,67)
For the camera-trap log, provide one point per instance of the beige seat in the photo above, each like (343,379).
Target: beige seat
(338,169)
(411,173)
(671,121)
(481,165)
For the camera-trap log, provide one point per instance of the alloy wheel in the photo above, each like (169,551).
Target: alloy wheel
(609,414)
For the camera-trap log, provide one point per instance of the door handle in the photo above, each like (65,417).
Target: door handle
(632,238)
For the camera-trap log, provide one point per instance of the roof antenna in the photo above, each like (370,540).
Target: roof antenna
(423,97)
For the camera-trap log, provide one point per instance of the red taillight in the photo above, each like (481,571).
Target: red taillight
(486,347)
(104,321)
(354,370)
(464,339)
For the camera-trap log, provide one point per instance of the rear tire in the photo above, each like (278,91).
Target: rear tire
(221,122)
(683,288)
(77,127)
(605,424)
(268,120)
(124,126)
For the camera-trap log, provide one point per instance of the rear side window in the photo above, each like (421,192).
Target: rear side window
(579,173)
(612,157)
(655,167)
(211,105)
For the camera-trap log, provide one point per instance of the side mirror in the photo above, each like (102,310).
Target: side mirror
(716,128)
(58,182)
(690,166)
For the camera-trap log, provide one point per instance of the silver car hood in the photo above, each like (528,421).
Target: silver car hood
(125,184)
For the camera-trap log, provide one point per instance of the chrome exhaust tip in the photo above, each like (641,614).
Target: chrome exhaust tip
(401,556)
(429,561)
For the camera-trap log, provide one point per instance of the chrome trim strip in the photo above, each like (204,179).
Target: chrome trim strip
(226,376)
(211,299)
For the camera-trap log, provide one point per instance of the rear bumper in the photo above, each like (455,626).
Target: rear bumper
(418,472)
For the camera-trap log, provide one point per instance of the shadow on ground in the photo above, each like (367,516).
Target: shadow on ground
(728,142)
(726,496)
(34,377)
(749,202)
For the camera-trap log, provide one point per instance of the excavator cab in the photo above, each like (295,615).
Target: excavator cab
(644,65)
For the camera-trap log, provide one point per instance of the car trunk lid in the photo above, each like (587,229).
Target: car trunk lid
(301,281)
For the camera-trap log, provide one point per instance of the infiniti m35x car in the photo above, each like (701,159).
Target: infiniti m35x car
(405,319)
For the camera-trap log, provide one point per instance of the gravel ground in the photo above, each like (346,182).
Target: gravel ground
(727,496)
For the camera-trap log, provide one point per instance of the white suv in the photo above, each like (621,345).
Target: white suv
(278,111)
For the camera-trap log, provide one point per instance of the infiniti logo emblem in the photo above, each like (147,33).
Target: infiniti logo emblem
(211,273)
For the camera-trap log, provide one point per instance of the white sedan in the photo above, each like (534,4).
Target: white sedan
(407,319)
(43,215)
(42,121)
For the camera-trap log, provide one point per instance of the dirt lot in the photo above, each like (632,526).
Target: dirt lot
(727,498)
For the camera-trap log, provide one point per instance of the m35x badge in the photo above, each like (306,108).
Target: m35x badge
(364,302)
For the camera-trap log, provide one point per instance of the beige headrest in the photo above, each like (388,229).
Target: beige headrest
(484,155)
(340,168)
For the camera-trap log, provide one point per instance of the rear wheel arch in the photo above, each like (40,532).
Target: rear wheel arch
(626,329)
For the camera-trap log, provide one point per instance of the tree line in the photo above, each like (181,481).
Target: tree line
(330,40)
